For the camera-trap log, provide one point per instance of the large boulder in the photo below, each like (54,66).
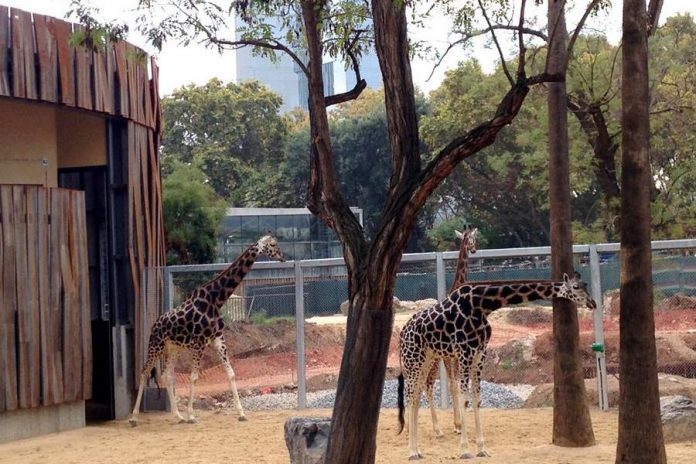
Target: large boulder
(678,418)
(306,439)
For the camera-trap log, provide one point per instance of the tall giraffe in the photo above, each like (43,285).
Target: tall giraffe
(457,328)
(194,324)
(468,243)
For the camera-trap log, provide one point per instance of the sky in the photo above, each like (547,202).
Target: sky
(181,65)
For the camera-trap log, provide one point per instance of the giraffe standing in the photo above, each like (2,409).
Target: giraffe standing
(468,242)
(457,329)
(196,323)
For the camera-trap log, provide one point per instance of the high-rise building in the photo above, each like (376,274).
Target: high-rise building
(284,77)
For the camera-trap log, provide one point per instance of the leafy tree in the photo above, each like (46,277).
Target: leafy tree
(192,214)
(233,132)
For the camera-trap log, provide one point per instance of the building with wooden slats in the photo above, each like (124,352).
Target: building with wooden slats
(80,224)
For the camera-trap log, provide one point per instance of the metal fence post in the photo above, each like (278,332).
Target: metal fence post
(299,337)
(441,294)
(598,345)
(168,289)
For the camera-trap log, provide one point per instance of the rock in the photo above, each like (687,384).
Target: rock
(678,418)
(611,303)
(344,308)
(306,439)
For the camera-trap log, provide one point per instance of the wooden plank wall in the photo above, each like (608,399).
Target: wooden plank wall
(37,62)
(115,80)
(45,326)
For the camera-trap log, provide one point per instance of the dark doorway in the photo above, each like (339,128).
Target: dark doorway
(93,181)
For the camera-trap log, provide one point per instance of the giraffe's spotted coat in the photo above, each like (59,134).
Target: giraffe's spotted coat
(457,330)
(196,323)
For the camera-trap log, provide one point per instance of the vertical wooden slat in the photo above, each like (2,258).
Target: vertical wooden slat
(110,83)
(3,348)
(4,51)
(48,57)
(32,286)
(23,297)
(83,75)
(122,73)
(8,308)
(84,290)
(55,301)
(76,308)
(69,296)
(156,106)
(133,88)
(23,69)
(66,61)
(43,235)
(99,74)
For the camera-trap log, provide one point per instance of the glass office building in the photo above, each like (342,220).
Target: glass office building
(301,235)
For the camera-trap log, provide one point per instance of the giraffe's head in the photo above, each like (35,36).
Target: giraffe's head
(575,290)
(268,245)
(469,239)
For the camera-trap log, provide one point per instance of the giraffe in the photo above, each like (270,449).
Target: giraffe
(194,324)
(457,328)
(468,242)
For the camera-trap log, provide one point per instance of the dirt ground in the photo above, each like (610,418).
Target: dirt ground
(520,351)
(521,436)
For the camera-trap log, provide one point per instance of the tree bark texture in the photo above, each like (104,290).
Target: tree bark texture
(572,425)
(640,437)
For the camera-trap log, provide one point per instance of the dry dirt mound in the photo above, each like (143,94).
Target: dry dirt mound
(542,396)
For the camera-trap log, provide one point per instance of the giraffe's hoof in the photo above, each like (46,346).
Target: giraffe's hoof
(415,457)
(467,455)
(242,418)
(483,454)
(439,434)
(133,422)
(458,431)
(191,420)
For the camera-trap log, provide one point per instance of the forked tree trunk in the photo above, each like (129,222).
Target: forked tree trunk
(640,428)
(572,425)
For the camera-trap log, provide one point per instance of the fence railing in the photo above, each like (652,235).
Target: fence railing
(303,289)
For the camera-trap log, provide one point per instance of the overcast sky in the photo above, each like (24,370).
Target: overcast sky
(182,65)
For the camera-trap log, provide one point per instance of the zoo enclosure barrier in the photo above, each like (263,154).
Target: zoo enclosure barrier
(298,290)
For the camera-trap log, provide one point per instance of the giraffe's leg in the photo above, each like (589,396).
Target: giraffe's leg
(154,352)
(417,380)
(219,345)
(429,386)
(451,367)
(170,383)
(463,383)
(195,367)
(476,367)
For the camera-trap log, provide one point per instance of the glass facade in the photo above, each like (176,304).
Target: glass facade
(301,235)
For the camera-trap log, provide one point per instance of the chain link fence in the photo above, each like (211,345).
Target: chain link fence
(272,353)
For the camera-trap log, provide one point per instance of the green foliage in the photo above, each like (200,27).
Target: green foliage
(233,132)
(192,214)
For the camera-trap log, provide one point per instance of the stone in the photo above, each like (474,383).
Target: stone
(306,439)
(678,418)
(397,306)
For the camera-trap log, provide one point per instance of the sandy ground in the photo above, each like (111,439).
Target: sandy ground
(521,436)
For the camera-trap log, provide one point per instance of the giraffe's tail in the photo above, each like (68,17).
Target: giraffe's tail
(400,402)
(155,377)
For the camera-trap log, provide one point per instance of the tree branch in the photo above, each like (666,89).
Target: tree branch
(497,45)
(593,4)
(360,83)
(654,10)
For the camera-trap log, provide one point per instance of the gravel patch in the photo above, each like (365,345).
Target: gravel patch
(492,396)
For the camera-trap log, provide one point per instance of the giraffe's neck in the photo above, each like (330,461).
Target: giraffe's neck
(460,274)
(224,284)
(488,298)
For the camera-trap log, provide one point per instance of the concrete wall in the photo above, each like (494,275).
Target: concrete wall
(25,423)
(28,153)
(38,139)
(81,139)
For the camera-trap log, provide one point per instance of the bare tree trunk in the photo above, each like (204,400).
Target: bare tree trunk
(572,425)
(640,428)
